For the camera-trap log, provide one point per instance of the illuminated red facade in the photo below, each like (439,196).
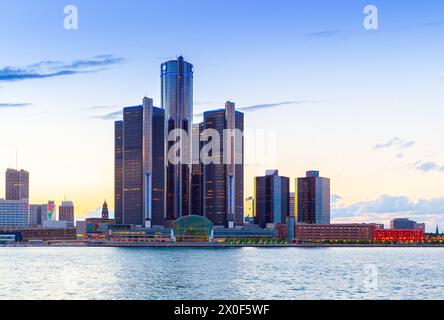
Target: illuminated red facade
(399,235)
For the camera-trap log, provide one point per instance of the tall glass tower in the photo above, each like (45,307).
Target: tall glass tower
(177,101)
(313,199)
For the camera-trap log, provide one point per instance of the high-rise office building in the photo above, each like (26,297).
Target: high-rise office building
(292,202)
(223,170)
(118,172)
(133,166)
(177,101)
(139,166)
(197,205)
(66,212)
(272,196)
(154,164)
(313,199)
(17,184)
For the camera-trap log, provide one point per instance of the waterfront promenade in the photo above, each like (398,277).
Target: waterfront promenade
(219,245)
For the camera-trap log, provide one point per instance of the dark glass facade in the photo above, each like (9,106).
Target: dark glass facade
(313,199)
(272,199)
(197,173)
(158,170)
(177,101)
(133,166)
(17,184)
(220,181)
(133,148)
(118,172)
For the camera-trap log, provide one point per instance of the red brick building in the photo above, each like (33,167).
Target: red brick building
(335,232)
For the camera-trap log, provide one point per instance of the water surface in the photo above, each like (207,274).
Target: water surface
(245,273)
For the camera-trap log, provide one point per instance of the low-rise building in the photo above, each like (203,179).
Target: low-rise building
(334,232)
(399,235)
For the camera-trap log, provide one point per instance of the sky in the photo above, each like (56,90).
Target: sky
(364,107)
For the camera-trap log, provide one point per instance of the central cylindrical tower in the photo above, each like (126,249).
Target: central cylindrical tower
(177,101)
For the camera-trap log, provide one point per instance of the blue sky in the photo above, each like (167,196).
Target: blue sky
(334,89)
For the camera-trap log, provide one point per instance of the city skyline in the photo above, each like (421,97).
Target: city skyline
(380,168)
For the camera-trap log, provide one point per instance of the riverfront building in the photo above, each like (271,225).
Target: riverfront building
(272,199)
(335,232)
(313,199)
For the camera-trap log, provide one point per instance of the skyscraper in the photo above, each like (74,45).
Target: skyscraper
(272,198)
(153,163)
(66,212)
(17,184)
(197,205)
(118,172)
(223,176)
(139,166)
(177,101)
(133,203)
(313,199)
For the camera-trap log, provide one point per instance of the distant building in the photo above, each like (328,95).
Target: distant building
(52,211)
(272,199)
(57,224)
(66,212)
(291,208)
(35,214)
(17,184)
(39,213)
(105,212)
(313,199)
(14,213)
(406,224)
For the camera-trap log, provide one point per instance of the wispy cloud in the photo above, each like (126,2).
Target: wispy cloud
(259,107)
(428,166)
(395,143)
(93,108)
(14,105)
(392,205)
(51,68)
(386,208)
(272,105)
(109,116)
(324,34)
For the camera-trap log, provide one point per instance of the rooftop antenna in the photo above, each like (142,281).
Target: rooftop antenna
(16,158)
